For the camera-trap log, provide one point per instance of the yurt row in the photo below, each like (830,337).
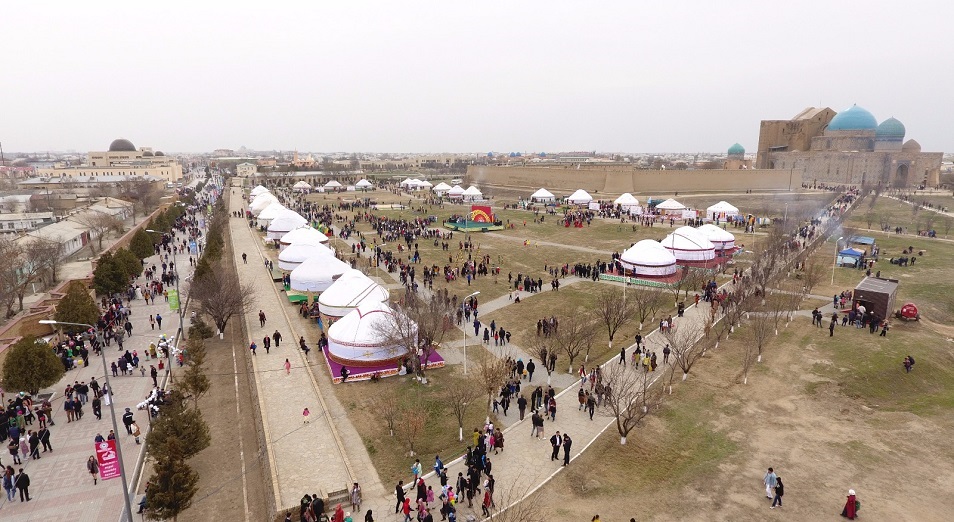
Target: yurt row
(651,258)
(628,203)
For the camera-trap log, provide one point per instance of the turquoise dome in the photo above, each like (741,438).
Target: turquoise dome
(890,130)
(736,149)
(854,118)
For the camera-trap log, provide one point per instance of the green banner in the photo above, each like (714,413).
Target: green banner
(173,299)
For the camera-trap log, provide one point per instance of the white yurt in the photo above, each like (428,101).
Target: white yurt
(425,185)
(258,190)
(356,339)
(364,185)
(333,186)
(285,223)
(472,194)
(441,188)
(294,255)
(649,258)
(406,182)
(252,197)
(301,186)
(688,244)
(455,192)
(542,196)
(305,234)
(261,203)
(627,202)
(580,197)
(722,239)
(271,212)
(316,273)
(671,206)
(721,211)
(348,292)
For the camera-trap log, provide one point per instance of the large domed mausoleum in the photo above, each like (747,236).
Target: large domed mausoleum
(853,119)
(122,145)
(890,130)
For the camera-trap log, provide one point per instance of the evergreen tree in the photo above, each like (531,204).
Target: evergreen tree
(174,484)
(109,278)
(130,264)
(194,383)
(30,365)
(180,423)
(77,306)
(142,244)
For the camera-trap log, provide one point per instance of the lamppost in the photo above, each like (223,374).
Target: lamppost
(175,275)
(834,262)
(112,411)
(465,335)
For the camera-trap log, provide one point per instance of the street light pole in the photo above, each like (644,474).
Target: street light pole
(834,262)
(465,335)
(112,411)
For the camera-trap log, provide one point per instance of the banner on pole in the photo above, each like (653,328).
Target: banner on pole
(173,299)
(108,459)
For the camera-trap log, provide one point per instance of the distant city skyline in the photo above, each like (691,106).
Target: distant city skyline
(433,77)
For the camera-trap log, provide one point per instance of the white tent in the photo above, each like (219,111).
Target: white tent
(425,184)
(251,197)
(332,185)
(688,244)
(348,292)
(543,196)
(294,255)
(472,194)
(722,239)
(285,223)
(649,258)
(626,202)
(305,234)
(364,185)
(301,185)
(671,205)
(580,197)
(455,192)
(316,273)
(721,211)
(258,190)
(271,212)
(356,338)
(260,203)
(406,182)
(441,188)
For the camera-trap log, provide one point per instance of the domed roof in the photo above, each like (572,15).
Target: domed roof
(122,145)
(147,153)
(737,149)
(911,146)
(854,118)
(159,153)
(890,130)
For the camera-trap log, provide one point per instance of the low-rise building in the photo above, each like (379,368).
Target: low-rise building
(13,223)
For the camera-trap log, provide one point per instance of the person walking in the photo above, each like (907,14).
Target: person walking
(93,468)
(852,506)
(244,258)
(622,356)
(267,343)
(34,441)
(779,491)
(555,442)
(98,406)
(261,318)
(252,347)
(158,323)
(152,322)
(22,482)
(355,497)
(128,421)
(14,449)
(277,337)
(399,495)
(567,444)
(44,435)
(530,368)
(305,413)
(769,481)
(522,405)
(287,367)
(8,484)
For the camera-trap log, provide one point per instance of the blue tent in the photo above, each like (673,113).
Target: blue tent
(850,257)
(862,240)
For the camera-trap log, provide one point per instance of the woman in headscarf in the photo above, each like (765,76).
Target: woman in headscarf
(851,506)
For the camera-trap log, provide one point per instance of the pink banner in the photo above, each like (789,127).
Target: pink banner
(108,460)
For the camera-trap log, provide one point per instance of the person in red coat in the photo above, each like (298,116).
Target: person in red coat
(339,514)
(851,506)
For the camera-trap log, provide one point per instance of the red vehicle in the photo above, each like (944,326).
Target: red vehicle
(908,312)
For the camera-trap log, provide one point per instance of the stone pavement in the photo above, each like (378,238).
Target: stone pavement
(60,486)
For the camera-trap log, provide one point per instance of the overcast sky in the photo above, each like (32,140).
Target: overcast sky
(419,76)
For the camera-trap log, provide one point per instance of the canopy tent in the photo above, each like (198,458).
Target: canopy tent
(258,190)
(425,184)
(721,211)
(294,255)
(472,194)
(332,185)
(306,235)
(348,292)
(543,196)
(316,273)
(688,244)
(406,182)
(850,256)
(722,239)
(441,188)
(285,223)
(580,197)
(357,339)
(649,258)
(301,185)
(271,212)
(456,192)
(257,206)
(364,184)
(671,205)
(626,202)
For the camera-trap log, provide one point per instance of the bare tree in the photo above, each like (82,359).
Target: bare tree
(49,254)
(629,397)
(420,324)
(646,302)
(515,504)
(222,295)
(676,287)
(762,327)
(613,309)
(412,419)
(884,220)
(685,347)
(9,274)
(458,395)
(542,347)
(870,218)
(388,406)
(491,375)
(143,194)
(812,274)
(99,225)
(575,335)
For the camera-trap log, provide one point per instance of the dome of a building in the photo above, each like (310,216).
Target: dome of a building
(890,130)
(159,153)
(911,146)
(147,153)
(854,118)
(122,145)
(736,149)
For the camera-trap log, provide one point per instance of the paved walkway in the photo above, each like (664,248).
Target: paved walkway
(60,486)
